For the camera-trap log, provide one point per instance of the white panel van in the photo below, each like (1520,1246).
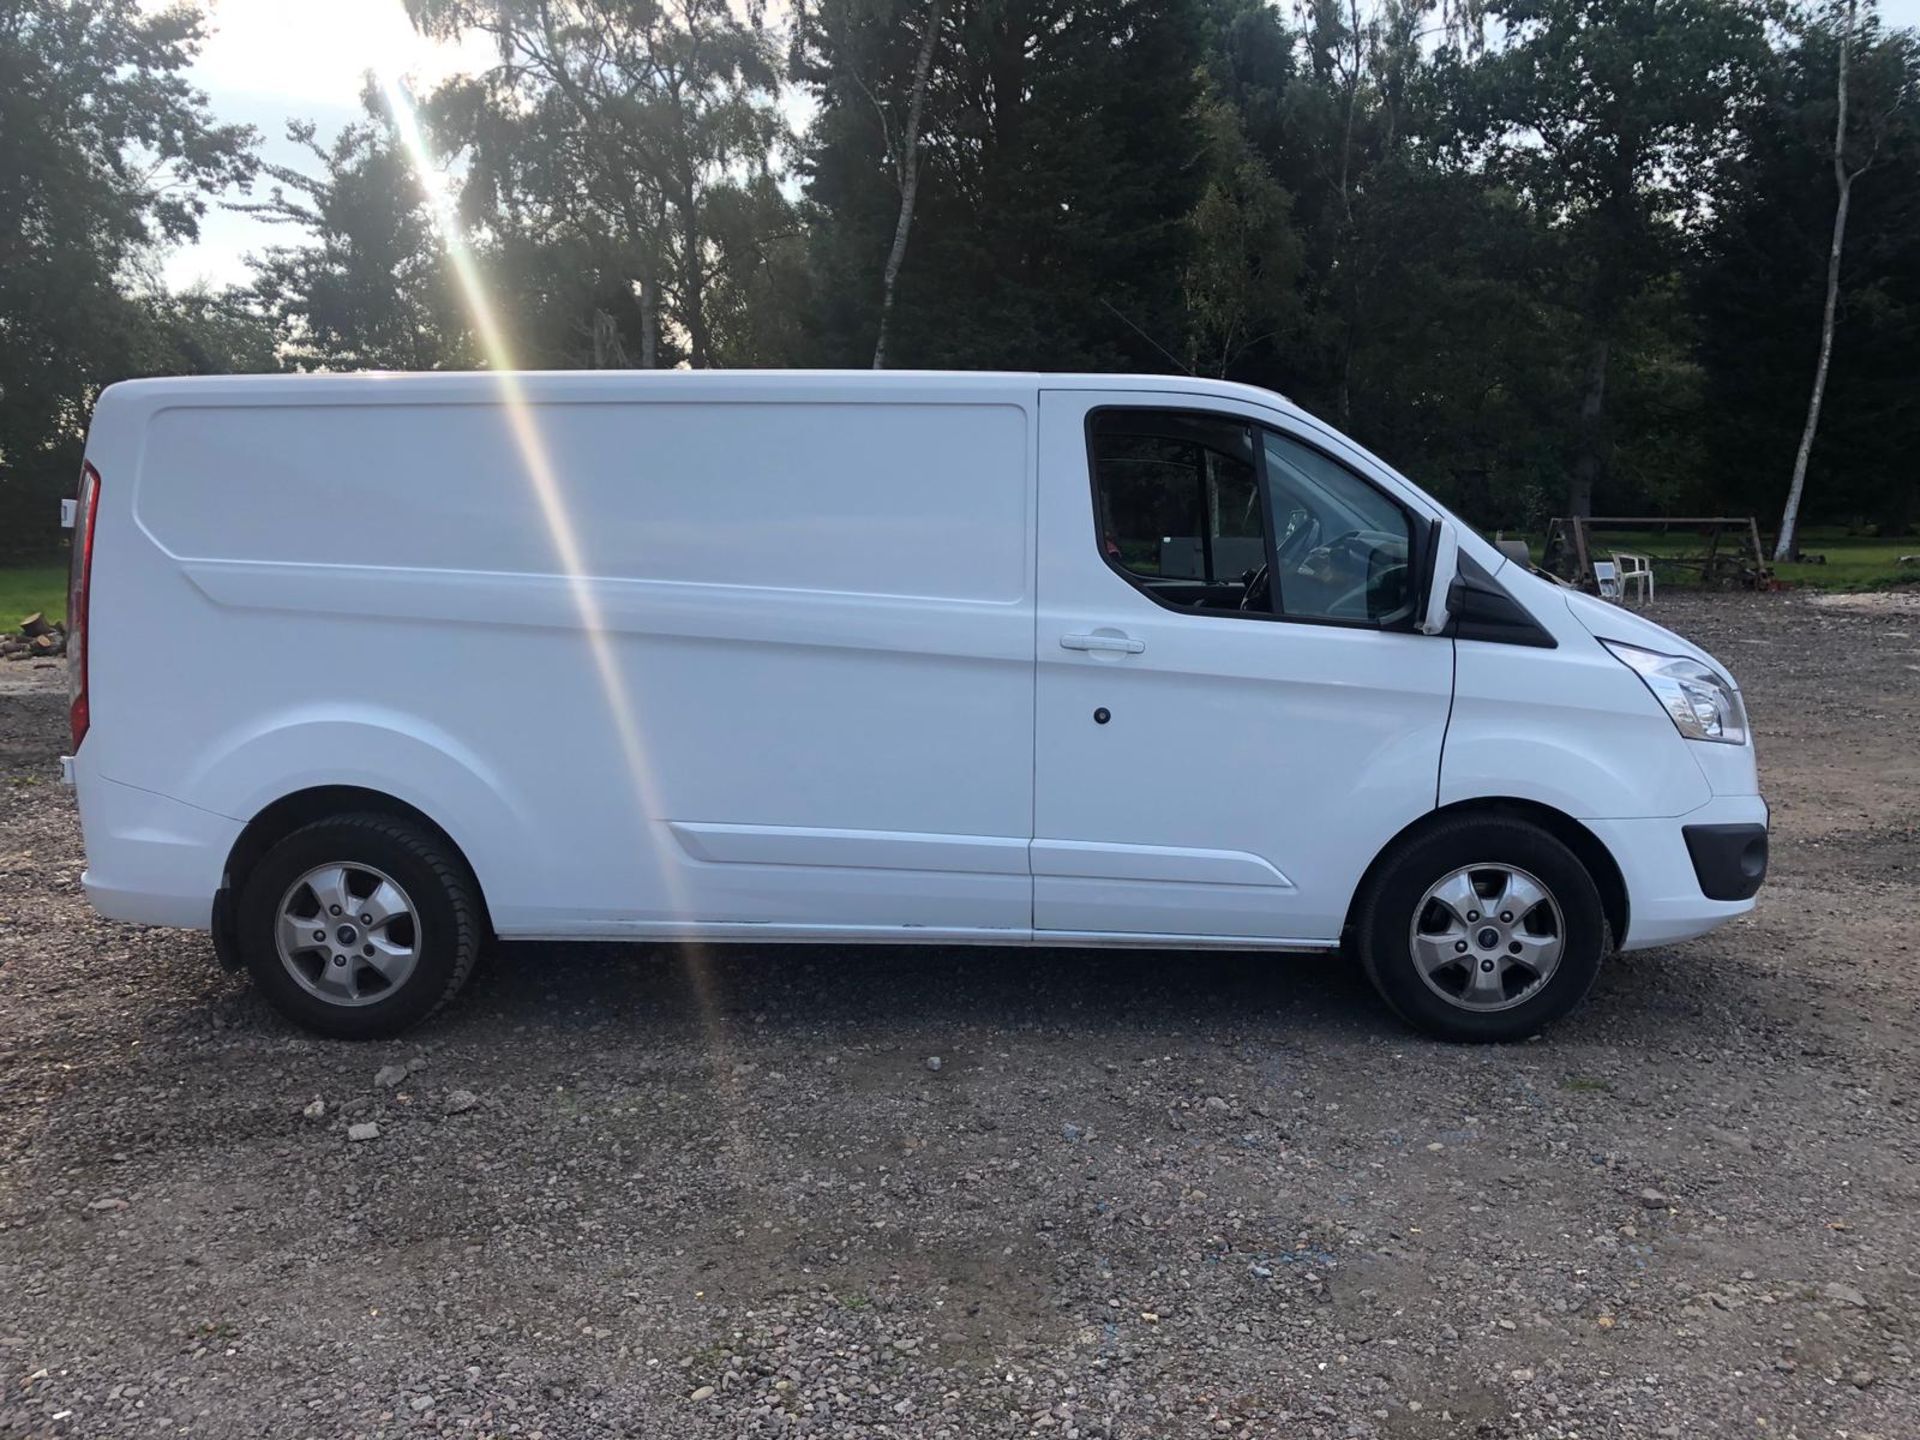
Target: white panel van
(368,670)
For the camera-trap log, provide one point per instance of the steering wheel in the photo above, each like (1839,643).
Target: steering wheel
(1357,602)
(1341,542)
(1351,604)
(1258,594)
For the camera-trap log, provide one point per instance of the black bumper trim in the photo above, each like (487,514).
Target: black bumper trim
(1729,860)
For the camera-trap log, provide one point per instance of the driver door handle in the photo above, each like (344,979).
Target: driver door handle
(1115,644)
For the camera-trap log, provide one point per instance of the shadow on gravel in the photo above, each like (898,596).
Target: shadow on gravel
(563,987)
(1653,999)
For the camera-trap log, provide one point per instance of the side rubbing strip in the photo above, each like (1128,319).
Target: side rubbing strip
(850,849)
(1096,860)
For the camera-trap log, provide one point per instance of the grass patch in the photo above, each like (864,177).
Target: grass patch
(27,588)
(1853,562)
(1586,1085)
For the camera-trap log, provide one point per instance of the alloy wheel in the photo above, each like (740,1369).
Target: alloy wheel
(1487,937)
(348,934)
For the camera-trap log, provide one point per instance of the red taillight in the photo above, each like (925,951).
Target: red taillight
(79,580)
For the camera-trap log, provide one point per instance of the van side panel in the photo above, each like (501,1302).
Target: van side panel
(650,663)
(901,499)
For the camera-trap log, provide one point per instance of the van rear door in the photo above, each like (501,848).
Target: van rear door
(1220,750)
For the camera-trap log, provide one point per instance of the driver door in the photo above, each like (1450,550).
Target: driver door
(1211,765)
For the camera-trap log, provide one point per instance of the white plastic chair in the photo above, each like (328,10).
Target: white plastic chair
(1634,570)
(1606,575)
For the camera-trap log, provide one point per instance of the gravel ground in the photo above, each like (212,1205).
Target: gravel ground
(657,1192)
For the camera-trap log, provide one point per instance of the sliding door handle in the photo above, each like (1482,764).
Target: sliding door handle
(1106,642)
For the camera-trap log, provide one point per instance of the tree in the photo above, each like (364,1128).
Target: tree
(106,153)
(369,287)
(862,61)
(202,331)
(1057,177)
(613,129)
(1350,99)
(1543,253)
(758,291)
(907,164)
(1758,285)
(1242,286)
(871,65)
(1606,117)
(1847,27)
(1407,293)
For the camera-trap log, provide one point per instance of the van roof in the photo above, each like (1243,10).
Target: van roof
(558,385)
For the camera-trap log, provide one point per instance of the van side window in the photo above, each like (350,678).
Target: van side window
(1177,498)
(1341,548)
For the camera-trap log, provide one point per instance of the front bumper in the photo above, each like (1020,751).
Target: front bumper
(1729,860)
(1667,901)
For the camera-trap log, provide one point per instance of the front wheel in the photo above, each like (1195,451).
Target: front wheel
(359,925)
(1482,929)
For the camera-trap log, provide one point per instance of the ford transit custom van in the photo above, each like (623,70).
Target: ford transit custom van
(368,670)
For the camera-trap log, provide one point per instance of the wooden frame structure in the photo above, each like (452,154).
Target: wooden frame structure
(1570,549)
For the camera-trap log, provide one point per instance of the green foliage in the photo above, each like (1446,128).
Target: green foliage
(105,153)
(206,332)
(369,286)
(634,138)
(1758,279)
(1606,120)
(1539,253)
(1242,286)
(1059,174)
(1423,316)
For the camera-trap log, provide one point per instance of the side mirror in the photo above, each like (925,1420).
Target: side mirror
(1442,568)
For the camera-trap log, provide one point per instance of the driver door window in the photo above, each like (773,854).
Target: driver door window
(1343,547)
(1184,501)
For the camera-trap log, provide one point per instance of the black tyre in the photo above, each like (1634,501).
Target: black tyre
(1481,928)
(360,925)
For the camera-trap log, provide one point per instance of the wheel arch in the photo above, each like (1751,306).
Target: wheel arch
(287,814)
(1587,848)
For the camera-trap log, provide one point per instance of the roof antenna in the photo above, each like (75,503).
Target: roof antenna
(1149,339)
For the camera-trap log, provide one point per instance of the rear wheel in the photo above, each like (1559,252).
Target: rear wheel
(1482,928)
(359,925)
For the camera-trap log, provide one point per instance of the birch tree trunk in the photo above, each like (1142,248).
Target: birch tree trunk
(1350,274)
(693,300)
(609,352)
(909,181)
(649,323)
(1786,547)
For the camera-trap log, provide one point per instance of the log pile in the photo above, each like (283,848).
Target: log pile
(38,638)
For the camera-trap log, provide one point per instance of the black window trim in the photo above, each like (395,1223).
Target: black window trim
(1419,527)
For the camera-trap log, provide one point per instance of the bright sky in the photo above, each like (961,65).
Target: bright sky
(268,61)
(271,60)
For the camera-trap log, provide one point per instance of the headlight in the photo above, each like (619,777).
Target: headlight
(1703,704)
